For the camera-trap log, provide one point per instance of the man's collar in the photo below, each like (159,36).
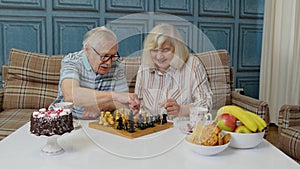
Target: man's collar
(86,62)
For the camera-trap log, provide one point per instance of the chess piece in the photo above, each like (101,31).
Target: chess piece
(146,122)
(131,122)
(110,120)
(157,119)
(126,116)
(151,123)
(118,115)
(142,126)
(131,127)
(101,118)
(106,117)
(164,120)
(138,120)
(120,123)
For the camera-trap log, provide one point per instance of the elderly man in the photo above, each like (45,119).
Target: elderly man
(93,79)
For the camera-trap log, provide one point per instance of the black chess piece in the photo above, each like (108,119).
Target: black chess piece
(139,120)
(131,127)
(151,123)
(120,123)
(131,122)
(164,120)
(142,126)
(157,119)
(146,122)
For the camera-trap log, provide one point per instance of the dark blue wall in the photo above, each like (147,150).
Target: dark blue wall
(57,27)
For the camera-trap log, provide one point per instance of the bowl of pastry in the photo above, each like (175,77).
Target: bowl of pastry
(207,140)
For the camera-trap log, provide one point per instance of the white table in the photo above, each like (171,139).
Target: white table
(83,149)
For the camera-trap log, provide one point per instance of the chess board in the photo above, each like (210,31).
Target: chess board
(138,132)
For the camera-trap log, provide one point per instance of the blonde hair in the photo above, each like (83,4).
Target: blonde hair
(99,35)
(160,34)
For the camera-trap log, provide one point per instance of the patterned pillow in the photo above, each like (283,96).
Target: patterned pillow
(217,66)
(131,66)
(32,80)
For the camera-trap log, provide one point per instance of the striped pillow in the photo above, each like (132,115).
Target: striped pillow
(32,80)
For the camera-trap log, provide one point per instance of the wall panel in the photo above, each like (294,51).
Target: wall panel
(252,9)
(216,8)
(250,47)
(23,4)
(87,5)
(130,33)
(220,35)
(69,32)
(250,85)
(28,34)
(127,6)
(183,7)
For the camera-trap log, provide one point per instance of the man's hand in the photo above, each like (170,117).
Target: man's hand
(129,99)
(90,113)
(134,103)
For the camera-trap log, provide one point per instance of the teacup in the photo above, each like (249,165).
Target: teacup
(200,115)
(64,105)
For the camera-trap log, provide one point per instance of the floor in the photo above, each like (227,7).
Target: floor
(273,135)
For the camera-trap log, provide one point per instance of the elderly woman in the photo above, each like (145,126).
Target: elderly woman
(170,80)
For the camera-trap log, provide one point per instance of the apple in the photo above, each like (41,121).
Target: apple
(242,129)
(227,122)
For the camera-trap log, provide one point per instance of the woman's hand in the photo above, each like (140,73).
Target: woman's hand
(172,107)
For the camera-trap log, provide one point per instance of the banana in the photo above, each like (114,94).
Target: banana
(261,124)
(240,114)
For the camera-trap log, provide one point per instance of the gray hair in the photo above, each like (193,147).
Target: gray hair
(99,35)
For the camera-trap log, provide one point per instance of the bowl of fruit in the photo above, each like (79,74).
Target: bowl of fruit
(245,140)
(207,140)
(247,129)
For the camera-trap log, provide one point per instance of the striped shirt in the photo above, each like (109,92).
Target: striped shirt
(187,85)
(76,66)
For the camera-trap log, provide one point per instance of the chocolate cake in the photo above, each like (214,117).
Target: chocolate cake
(51,122)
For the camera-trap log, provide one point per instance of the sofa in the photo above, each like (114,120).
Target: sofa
(289,130)
(30,81)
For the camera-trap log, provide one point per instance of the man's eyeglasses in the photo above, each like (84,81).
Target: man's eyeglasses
(105,58)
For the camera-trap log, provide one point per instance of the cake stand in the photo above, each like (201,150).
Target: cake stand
(52,147)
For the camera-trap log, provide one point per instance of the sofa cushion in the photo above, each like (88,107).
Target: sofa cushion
(289,142)
(217,66)
(131,65)
(32,80)
(11,120)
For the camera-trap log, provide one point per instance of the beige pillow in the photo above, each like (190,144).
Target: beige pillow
(217,66)
(32,80)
